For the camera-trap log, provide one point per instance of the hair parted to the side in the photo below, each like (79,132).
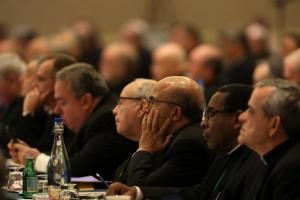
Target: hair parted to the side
(82,78)
(284,102)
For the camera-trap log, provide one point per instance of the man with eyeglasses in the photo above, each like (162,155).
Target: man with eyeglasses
(182,160)
(85,105)
(129,113)
(232,169)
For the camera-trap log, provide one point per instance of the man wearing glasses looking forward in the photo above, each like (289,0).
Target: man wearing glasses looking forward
(176,154)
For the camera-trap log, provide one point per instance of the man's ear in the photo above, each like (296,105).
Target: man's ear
(274,125)
(237,124)
(176,114)
(87,101)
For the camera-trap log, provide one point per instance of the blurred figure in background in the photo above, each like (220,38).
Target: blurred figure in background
(186,35)
(134,32)
(12,68)
(37,47)
(118,65)
(10,45)
(24,34)
(257,41)
(291,68)
(205,66)
(68,42)
(266,69)
(88,34)
(289,42)
(169,59)
(238,67)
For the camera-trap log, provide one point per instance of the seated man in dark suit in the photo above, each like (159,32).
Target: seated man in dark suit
(11,70)
(186,157)
(35,128)
(85,105)
(129,114)
(234,165)
(271,128)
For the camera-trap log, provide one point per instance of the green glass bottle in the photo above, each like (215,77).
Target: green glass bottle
(30,179)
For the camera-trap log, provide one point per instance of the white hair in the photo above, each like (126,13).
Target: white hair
(11,63)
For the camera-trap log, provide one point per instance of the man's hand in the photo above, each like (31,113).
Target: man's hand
(121,189)
(18,152)
(154,138)
(32,101)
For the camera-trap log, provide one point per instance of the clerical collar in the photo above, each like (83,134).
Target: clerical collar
(233,150)
(277,153)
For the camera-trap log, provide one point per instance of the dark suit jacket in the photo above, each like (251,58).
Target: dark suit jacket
(282,181)
(37,130)
(242,166)
(10,118)
(98,147)
(183,163)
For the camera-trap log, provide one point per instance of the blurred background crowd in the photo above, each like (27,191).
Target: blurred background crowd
(155,39)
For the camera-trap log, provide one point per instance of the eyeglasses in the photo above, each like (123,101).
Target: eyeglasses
(151,100)
(129,98)
(210,112)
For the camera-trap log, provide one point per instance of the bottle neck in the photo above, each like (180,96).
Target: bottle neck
(29,163)
(58,136)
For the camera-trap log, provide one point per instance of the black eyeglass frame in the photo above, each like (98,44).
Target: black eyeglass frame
(210,112)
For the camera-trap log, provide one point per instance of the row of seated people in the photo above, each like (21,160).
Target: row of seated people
(165,122)
(254,132)
(83,101)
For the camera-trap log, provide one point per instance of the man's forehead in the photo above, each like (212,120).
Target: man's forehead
(260,94)
(217,100)
(128,90)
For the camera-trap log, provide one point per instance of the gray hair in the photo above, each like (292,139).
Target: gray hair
(82,78)
(284,102)
(11,63)
(144,87)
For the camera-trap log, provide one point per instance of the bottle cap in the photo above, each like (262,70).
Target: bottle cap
(29,156)
(57,119)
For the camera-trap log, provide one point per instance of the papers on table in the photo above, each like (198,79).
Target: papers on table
(84,179)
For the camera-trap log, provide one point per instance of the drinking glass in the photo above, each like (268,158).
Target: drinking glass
(15,179)
(69,192)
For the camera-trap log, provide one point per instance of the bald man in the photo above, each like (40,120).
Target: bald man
(291,68)
(168,59)
(184,158)
(118,65)
(204,67)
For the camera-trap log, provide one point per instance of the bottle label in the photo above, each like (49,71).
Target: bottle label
(31,184)
(58,143)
